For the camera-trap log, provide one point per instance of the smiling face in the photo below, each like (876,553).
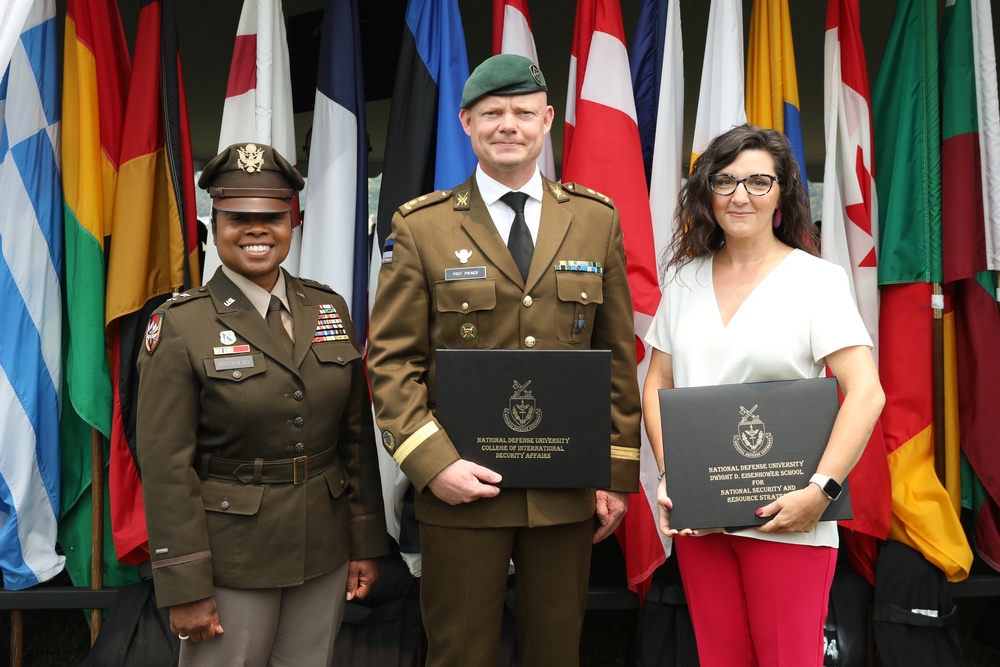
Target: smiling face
(253,244)
(507,134)
(741,215)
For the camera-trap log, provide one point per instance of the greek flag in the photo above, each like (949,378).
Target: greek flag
(31,257)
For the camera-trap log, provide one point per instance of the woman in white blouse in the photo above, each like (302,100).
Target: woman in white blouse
(747,299)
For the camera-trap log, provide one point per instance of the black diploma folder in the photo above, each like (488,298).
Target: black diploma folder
(730,449)
(540,418)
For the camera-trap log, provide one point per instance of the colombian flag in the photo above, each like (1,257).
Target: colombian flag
(772,87)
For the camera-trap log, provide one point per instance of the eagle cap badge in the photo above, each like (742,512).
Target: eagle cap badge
(251,158)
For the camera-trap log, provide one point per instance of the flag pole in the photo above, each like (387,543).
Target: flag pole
(937,361)
(97,523)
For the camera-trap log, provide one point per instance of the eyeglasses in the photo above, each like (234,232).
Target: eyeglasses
(757,185)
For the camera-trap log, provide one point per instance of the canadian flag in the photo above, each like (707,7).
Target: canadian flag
(602,151)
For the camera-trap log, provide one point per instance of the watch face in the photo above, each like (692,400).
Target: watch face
(832,489)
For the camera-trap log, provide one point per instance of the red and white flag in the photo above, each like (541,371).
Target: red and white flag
(512,34)
(850,208)
(849,230)
(258,103)
(602,151)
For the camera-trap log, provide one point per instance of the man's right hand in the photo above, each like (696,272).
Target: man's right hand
(464,481)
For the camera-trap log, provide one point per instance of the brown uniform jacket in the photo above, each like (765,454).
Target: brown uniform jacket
(217,382)
(417,311)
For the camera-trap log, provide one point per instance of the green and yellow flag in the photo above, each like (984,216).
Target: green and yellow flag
(95,77)
(906,113)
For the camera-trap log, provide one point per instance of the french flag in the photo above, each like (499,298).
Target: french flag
(335,241)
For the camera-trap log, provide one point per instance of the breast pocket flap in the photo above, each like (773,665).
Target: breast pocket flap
(463,296)
(339,352)
(579,287)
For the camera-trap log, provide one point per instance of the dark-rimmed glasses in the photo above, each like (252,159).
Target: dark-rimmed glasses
(757,185)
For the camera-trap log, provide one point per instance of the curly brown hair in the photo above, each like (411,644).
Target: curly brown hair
(698,234)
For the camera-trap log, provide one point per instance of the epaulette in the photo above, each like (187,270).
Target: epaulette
(420,202)
(584,191)
(308,282)
(183,297)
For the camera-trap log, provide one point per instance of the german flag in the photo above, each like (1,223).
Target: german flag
(154,245)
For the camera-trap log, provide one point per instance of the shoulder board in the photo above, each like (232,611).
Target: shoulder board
(183,297)
(422,201)
(317,285)
(584,191)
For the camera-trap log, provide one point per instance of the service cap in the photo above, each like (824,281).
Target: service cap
(251,178)
(505,74)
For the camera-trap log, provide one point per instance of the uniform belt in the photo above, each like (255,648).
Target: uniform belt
(260,471)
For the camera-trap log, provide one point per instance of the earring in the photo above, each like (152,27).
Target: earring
(776,221)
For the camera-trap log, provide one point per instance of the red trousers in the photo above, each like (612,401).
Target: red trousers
(756,603)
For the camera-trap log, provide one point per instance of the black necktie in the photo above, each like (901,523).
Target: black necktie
(519,242)
(276,326)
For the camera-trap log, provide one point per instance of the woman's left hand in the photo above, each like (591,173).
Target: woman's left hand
(361,576)
(795,512)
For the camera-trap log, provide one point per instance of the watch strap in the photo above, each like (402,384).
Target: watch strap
(828,485)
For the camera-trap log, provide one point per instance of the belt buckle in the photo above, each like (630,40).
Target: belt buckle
(297,477)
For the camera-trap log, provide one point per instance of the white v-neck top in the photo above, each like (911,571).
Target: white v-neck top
(799,313)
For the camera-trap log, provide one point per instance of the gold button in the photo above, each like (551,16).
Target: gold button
(465,306)
(583,295)
(527,300)
(529,341)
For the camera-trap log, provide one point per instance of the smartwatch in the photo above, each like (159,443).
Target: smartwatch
(828,484)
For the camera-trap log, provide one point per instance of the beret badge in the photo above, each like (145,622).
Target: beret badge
(536,73)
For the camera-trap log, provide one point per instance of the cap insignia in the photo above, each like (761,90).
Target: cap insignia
(251,158)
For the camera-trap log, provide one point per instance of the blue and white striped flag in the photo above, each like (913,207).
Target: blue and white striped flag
(31,259)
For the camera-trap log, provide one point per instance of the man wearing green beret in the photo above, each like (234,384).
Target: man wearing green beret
(522,239)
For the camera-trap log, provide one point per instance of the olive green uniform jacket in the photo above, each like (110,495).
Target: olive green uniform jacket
(217,382)
(417,311)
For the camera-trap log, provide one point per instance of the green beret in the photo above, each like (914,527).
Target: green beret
(251,178)
(505,74)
